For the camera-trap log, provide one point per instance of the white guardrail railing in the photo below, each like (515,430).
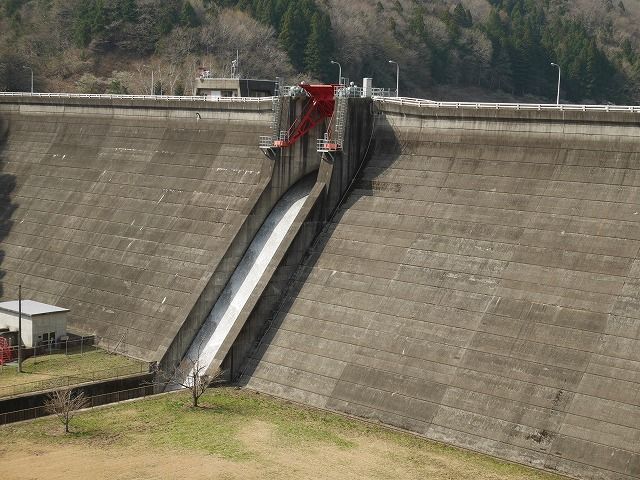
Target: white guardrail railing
(417,102)
(140,97)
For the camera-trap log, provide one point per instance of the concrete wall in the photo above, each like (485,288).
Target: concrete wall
(479,287)
(124,210)
(29,406)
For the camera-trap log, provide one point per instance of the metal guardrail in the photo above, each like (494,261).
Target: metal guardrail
(93,402)
(140,97)
(266,141)
(353,91)
(326,145)
(380,95)
(418,102)
(383,92)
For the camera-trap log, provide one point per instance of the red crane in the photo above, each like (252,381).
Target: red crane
(320,107)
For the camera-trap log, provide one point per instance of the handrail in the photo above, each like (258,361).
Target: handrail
(423,103)
(418,102)
(139,97)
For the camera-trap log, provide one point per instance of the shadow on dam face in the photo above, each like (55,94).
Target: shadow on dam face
(7,207)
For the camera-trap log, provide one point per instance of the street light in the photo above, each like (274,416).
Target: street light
(152,82)
(29,68)
(19,328)
(339,71)
(559,73)
(397,77)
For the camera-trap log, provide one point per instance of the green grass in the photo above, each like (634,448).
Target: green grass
(50,371)
(168,422)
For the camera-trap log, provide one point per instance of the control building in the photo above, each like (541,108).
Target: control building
(207,86)
(41,323)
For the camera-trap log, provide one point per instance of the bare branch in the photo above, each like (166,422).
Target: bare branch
(192,375)
(64,404)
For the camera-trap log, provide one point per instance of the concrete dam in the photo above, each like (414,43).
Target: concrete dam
(466,273)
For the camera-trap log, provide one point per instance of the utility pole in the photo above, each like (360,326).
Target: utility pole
(20,328)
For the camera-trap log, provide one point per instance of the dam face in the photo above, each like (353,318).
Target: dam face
(122,210)
(479,286)
(470,275)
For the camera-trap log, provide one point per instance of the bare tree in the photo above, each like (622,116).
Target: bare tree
(64,404)
(192,375)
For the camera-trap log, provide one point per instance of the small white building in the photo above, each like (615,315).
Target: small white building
(41,323)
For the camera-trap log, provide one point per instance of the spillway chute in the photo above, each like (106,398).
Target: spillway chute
(204,354)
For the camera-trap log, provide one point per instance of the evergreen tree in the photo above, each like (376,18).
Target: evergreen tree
(82,26)
(416,21)
(98,16)
(461,16)
(264,12)
(293,36)
(89,20)
(188,16)
(116,87)
(319,46)
(12,7)
(127,10)
(312,53)
(502,76)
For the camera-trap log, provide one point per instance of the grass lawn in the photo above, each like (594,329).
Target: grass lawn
(235,435)
(49,371)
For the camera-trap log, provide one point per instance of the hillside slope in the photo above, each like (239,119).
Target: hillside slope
(483,48)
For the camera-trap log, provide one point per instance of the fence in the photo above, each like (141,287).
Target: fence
(140,97)
(418,102)
(76,345)
(71,345)
(70,380)
(93,401)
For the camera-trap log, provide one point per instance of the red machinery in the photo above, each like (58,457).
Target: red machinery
(5,351)
(320,107)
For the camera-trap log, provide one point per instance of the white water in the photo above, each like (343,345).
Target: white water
(246,276)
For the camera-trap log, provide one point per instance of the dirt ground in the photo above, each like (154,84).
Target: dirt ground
(235,434)
(272,459)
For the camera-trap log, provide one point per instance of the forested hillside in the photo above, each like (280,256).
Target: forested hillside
(477,48)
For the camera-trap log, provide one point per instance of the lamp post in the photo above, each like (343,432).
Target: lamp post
(29,68)
(559,73)
(397,77)
(339,71)
(152,82)
(19,328)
